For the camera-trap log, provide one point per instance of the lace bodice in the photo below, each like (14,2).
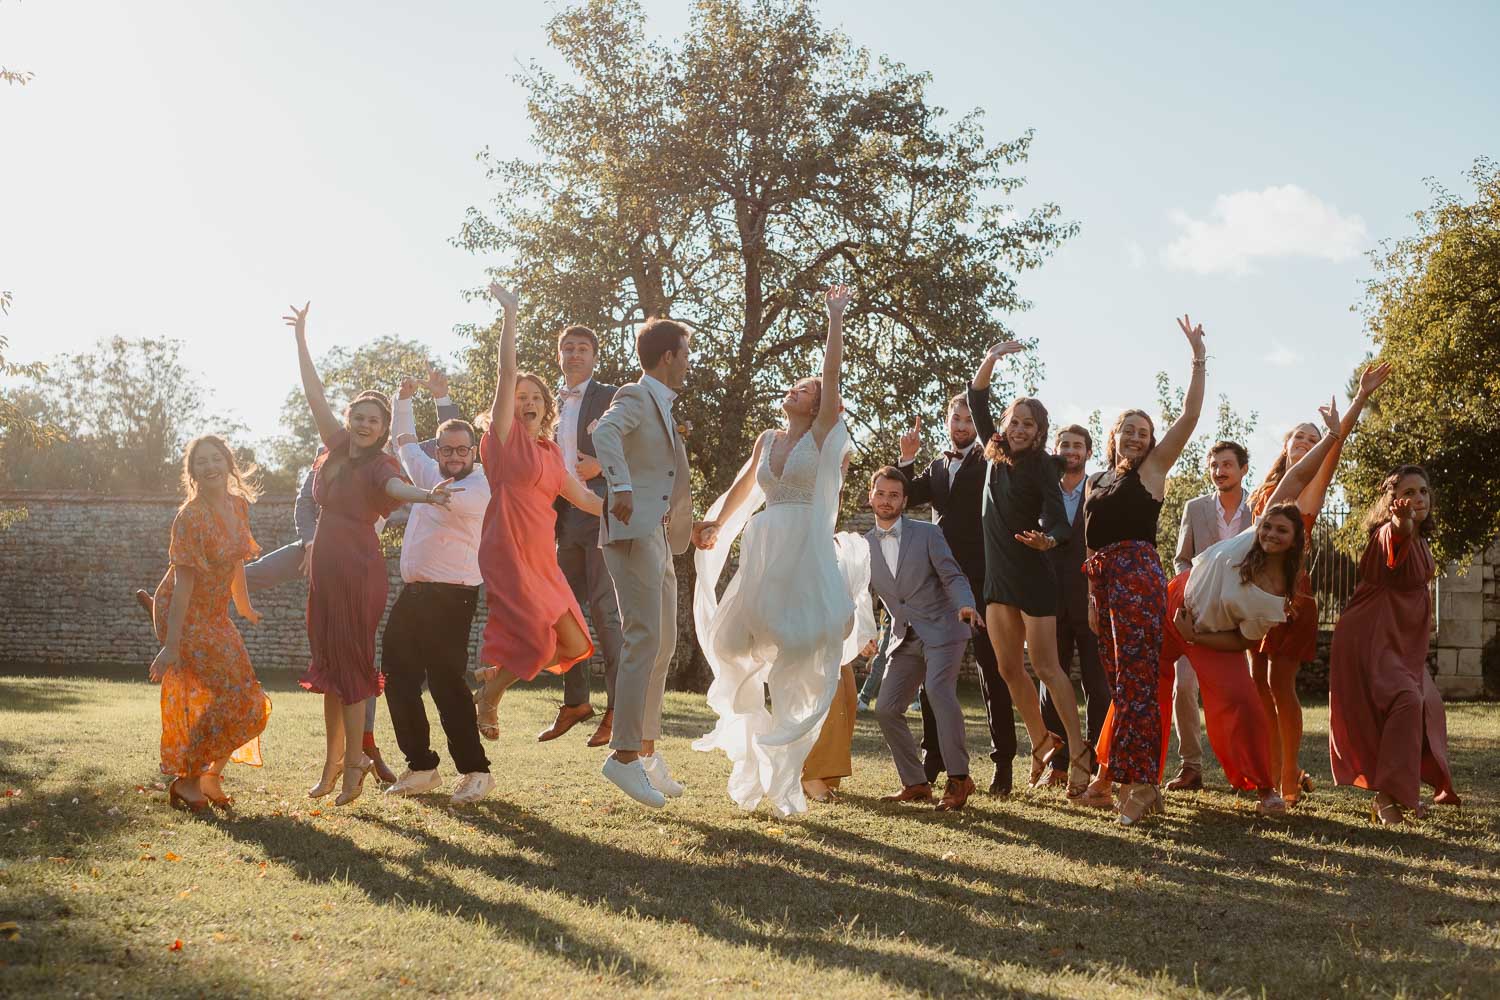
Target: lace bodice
(798,477)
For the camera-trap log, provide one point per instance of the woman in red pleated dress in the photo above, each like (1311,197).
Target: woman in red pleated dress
(1280,655)
(355,483)
(534,622)
(1386,727)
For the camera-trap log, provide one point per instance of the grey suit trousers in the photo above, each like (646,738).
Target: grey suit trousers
(646,589)
(935,669)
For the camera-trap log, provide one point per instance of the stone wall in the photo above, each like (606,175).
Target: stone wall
(1468,618)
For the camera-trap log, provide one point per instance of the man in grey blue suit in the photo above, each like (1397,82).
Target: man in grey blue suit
(931,606)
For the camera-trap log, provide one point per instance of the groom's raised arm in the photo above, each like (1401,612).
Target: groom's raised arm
(622,417)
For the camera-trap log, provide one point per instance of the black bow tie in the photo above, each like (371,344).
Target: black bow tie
(951,455)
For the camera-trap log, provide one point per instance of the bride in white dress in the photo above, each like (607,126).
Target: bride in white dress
(798,606)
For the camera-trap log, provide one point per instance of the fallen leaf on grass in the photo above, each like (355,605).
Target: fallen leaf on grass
(10,931)
(94,872)
(11,793)
(949,855)
(148,857)
(60,861)
(775,831)
(169,856)
(176,945)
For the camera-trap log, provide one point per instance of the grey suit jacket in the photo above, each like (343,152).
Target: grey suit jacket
(928,589)
(574,525)
(1200,527)
(638,447)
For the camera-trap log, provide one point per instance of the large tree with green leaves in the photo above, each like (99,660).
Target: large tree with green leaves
(726,179)
(1433,310)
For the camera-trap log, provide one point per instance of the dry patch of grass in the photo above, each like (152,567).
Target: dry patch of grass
(558,886)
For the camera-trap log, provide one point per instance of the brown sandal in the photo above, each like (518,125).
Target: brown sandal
(1041,755)
(1077,789)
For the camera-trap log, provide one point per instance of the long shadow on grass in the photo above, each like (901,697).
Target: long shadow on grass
(317,856)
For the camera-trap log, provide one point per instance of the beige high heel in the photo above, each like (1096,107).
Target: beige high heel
(1137,802)
(486,712)
(325,784)
(348,795)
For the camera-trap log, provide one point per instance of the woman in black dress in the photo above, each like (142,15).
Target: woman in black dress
(1023,517)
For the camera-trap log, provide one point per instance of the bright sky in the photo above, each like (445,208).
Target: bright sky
(186,169)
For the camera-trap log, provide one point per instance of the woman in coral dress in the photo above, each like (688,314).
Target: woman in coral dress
(355,483)
(212,708)
(1275,663)
(534,622)
(1386,727)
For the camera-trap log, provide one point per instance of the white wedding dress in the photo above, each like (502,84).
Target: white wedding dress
(797,608)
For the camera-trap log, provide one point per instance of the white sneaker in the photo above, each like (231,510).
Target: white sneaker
(864,706)
(472,787)
(661,779)
(632,780)
(415,782)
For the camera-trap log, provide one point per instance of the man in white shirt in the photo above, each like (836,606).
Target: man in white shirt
(427,634)
(1206,521)
(581,402)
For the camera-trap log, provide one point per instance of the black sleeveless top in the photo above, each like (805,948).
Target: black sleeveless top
(1118,508)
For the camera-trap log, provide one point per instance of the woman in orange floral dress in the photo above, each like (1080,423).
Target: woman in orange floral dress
(212,708)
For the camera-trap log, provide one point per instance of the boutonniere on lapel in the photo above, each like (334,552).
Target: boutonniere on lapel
(685,427)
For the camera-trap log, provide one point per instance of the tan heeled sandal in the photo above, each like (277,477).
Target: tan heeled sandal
(1137,802)
(1378,814)
(1041,755)
(348,795)
(325,785)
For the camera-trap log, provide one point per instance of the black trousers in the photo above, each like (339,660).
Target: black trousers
(427,639)
(1074,634)
(998,710)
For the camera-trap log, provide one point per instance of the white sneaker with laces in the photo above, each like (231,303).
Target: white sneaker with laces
(632,780)
(472,787)
(660,777)
(415,782)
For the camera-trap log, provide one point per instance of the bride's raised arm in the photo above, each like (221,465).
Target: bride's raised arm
(831,402)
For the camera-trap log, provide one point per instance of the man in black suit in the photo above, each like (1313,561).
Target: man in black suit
(581,402)
(954,485)
(1074,446)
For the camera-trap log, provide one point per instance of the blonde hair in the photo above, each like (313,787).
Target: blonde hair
(242,483)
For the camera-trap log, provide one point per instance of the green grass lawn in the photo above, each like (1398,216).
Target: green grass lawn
(558,886)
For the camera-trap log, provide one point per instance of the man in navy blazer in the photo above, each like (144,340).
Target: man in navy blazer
(932,615)
(581,402)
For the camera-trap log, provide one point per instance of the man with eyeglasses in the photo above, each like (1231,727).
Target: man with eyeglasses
(426,636)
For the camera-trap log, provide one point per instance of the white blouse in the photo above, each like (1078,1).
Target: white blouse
(1220,601)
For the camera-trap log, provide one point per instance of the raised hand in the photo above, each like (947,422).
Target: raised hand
(911,441)
(1330,415)
(1194,334)
(297,320)
(1401,508)
(442,493)
(1373,378)
(1036,540)
(436,383)
(1002,349)
(509,300)
(837,300)
(408,388)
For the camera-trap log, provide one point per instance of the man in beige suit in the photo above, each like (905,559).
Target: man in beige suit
(648,518)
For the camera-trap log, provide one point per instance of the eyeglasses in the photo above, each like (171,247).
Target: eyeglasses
(462,451)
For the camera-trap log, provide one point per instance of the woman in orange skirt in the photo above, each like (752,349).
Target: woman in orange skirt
(1275,663)
(212,708)
(534,622)
(1386,727)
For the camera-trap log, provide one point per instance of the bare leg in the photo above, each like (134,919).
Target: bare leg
(1260,672)
(353,717)
(1288,719)
(333,752)
(1008,635)
(1041,640)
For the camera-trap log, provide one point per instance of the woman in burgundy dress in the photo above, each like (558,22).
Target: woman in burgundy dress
(1280,655)
(355,483)
(534,621)
(1386,726)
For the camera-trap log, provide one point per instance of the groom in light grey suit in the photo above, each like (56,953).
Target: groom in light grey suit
(648,518)
(932,608)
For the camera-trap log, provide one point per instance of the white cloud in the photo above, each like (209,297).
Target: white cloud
(1284,221)
(1282,356)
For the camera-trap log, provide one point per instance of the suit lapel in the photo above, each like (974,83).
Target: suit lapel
(905,546)
(877,557)
(661,411)
(585,408)
(942,483)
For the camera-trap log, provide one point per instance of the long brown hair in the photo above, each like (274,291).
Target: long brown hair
(549,411)
(1111,452)
(242,482)
(1262,493)
(997,449)
(1291,563)
(1380,510)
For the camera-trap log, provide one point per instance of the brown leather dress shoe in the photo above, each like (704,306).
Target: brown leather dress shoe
(913,793)
(605,731)
(956,793)
(1189,779)
(148,605)
(568,716)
